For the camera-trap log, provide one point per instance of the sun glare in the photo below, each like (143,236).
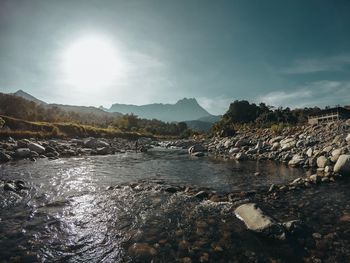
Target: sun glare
(91,62)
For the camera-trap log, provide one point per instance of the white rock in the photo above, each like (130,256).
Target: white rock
(322,162)
(342,166)
(275,146)
(309,152)
(327,149)
(253,217)
(228,143)
(234,150)
(348,138)
(36,147)
(276,139)
(296,160)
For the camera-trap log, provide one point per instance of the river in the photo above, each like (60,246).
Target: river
(72,214)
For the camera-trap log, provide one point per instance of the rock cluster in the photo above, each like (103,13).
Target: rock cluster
(11,149)
(323,147)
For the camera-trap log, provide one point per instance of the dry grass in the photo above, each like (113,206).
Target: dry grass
(18,128)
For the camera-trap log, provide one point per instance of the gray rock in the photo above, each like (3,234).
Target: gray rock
(342,165)
(23,152)
(276,139)
(315,178)
(297,160)
(196,148)
(36,147)
(103,150)
(241,142)
(287,144)
(241,156)
(234,150)
(347,139)
(327,149)
(322,162)
(228,143)
(94,143)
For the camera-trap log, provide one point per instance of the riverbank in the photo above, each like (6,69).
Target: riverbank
(316,147)
(307,218)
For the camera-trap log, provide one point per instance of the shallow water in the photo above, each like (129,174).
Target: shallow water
(70,215)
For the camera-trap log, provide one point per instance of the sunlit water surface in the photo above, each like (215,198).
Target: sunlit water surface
(70,215)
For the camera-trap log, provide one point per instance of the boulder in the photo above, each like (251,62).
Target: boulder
(297,160)
(142,251)
(234,150)
(23,143)
(309,152)
(342,165)
(287,144)
(23,152)
(241,142)
(103,150)
(94,143)
(196,148)
(253,217)
(322,162)
(228,143)
(255,220)
(275,146)
(36,147)
(241,156)
(348,138)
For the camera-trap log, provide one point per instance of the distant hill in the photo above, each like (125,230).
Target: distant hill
(101,112)
(185,109)
(86,110)
(25,95)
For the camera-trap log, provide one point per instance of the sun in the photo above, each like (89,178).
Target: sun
(91,62)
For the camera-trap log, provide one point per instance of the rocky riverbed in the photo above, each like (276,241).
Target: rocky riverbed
(304,219)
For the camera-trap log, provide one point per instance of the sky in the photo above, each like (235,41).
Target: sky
(292,53)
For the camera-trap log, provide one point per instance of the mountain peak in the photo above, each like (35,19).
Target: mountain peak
(187,101)
(184,109)
(27,96)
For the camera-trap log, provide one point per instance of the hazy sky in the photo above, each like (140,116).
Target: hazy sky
(285,53)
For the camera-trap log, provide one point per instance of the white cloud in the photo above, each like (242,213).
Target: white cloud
(313,65)
(319,93)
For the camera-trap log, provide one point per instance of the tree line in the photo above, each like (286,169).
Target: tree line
(241,112)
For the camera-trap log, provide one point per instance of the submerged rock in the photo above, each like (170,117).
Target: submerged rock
(142,251)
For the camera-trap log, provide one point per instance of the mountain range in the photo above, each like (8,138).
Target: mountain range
(187,110)
(182,110)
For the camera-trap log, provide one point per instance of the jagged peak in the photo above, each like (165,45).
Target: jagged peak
(187,101)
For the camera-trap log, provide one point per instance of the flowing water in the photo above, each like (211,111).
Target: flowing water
(71,214)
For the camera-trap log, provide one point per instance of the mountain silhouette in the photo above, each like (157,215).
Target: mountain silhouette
(185,109)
